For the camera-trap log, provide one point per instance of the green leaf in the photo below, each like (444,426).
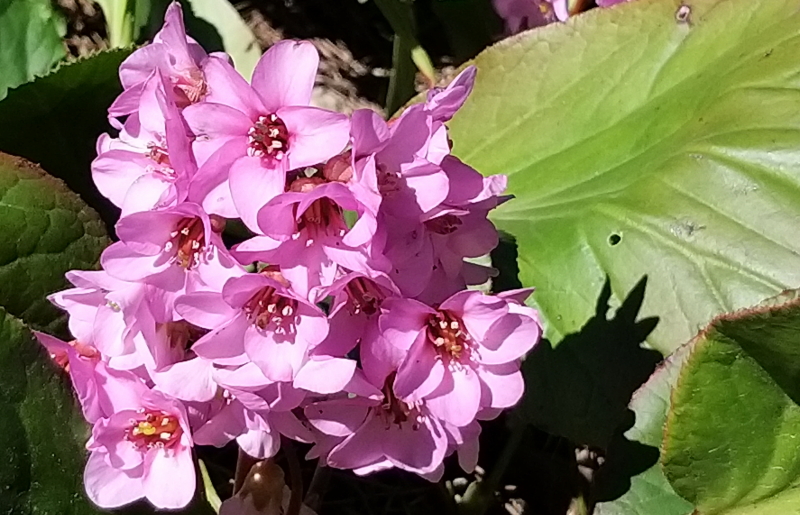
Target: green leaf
(47,231)
(641,142)
(237,38)
(633,459)
(732,440)
(42,434)
(55,121)
(30,41)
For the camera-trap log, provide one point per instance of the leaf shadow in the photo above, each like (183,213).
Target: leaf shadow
(578,393)
(581,388)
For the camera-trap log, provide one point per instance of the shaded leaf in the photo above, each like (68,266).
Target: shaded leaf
(30,41)
(639,142)
(237,38)
(55,121)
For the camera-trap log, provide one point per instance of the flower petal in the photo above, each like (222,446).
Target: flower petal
(169,480)
(329,375)
(315,135)
(108,487)
(252,186)
(285,74)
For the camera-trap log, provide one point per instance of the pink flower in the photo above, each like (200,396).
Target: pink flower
(100,298)
(442,103)
(521,15)
(179,58)
(355,310)
(462,356)
(256,412)
(253,136)
(80,361)
(141,445)
(305,233)
(391,161)
(169,248)
(373,429)
(150,165)
(257,318)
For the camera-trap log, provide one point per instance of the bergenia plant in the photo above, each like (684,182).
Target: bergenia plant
(343,322)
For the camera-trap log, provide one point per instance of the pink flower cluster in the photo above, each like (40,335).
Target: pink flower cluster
(344,321)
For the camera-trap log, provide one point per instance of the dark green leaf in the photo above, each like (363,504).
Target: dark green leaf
(732,440)
(469,25)
(47,231)
(55,121)
(639,141)
(30,41)
(42,434)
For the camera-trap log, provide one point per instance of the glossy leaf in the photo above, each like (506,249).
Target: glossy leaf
(657,138)
(47,231)
(30,41)
(732,440)
(55,121)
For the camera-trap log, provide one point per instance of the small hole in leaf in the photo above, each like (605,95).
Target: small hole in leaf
(614,239)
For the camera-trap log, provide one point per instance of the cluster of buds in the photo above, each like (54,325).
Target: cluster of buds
(344,321)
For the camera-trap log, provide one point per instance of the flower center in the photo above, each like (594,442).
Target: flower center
(268,137)
(159,155)
(189,239)
(364,295)
(445,224)
(267,308)
(323,216)
(189,88)
(446,332)
(152,429)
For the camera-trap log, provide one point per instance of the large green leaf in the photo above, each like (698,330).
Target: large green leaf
(47,231)
(30,41)
(625,489)
(55,121)
(732,440)
(42,435)
(658,138)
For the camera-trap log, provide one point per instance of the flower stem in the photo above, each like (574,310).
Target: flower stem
(243,465)
(295,478)
(317,487)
